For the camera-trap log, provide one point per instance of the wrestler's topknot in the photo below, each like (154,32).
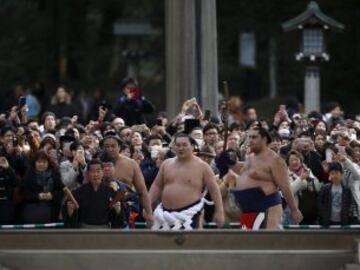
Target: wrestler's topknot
(264,134)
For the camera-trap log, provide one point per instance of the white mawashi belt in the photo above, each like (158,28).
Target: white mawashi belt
(165,220)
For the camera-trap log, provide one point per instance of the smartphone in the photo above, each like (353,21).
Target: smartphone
(159,122)
(207,115)
(329,156)
(15,141)
(135,91)
(104,104)
(282,107)
(66,146)
(22,102)
(303,141)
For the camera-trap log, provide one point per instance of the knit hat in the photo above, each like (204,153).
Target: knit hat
(207,150)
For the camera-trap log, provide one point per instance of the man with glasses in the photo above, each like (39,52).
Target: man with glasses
(211,134)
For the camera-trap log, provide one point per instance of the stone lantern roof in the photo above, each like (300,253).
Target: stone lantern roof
(312,16)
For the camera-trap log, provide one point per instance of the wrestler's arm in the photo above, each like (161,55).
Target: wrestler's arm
(157,185)
(214,190)
(281,178)
(140,186)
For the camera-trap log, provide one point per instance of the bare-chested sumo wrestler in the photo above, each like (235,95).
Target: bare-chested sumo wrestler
(180,185)
(263,175)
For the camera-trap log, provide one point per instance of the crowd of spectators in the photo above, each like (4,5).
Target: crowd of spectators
(44,150)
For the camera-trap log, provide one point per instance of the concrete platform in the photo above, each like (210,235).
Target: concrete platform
(208,249)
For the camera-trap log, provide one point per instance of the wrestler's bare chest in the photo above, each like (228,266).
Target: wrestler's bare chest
(257,172)
(189,174)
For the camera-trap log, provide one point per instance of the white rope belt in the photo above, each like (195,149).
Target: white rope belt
(165,220)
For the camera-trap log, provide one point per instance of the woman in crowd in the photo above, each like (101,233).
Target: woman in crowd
(136,140)
(41,190)
(304,186)
(10,149)
(61,104)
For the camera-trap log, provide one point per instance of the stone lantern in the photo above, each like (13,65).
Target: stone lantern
(312,25)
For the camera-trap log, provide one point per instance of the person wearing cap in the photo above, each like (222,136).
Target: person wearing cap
(207,154)
(334,199)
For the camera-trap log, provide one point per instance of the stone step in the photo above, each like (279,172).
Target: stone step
(200,250)
(352,267)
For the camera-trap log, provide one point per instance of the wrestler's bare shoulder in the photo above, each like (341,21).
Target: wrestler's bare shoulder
(126,161)
(267,155)
(274,158)
(168,162)
(279,163)
(175,160)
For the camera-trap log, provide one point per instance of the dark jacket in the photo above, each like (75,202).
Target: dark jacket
(19,162)
(8,183)
(149,169)
(132,110)
(63,110)
(35,183)
(94,208)
(325,203)
(313,161)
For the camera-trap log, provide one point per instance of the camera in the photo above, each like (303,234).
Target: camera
(159,122)
(104,104)
(22,102)
(207,115)
(15,141)
(304,143)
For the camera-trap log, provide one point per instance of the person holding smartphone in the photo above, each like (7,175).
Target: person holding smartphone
(72,170)
(132,105)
